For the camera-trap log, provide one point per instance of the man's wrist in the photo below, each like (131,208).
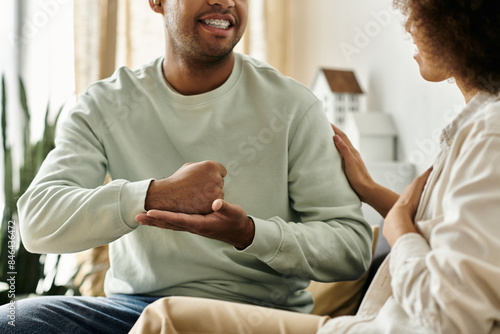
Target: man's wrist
(247,236)
(156,196)
(148,201)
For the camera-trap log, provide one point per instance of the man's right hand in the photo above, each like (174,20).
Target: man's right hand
(191,189)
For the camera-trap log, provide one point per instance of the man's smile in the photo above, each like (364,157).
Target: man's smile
(219,24)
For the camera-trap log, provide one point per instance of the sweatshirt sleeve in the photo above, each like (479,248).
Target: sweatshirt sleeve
(67,208)
(332,241)
(451,285)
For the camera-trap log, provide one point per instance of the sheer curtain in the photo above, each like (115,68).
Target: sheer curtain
(95,40)
(277,30)
(114,33)
(267,36)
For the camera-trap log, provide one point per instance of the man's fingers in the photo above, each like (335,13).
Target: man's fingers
(223,170)
(217,205)
(225,210)
(220,168)
(140,217)
(213,166)
(170,217)
(145,220)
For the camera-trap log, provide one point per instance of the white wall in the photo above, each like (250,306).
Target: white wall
(368,37)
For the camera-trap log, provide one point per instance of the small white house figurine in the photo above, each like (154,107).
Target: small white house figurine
(340,93)
(373,134)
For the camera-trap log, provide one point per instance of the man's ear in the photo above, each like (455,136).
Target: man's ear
(156,6)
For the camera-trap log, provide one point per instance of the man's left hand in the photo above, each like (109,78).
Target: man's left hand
(228,223)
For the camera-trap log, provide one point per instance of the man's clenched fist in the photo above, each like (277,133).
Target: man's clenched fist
(191,189)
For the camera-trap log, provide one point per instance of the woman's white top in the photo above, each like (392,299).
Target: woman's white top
(447,278)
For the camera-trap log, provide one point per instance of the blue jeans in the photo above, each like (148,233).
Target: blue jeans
(75,315)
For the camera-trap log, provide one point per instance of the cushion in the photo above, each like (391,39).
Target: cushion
(340,298)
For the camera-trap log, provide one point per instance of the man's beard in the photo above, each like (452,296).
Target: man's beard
(191,47)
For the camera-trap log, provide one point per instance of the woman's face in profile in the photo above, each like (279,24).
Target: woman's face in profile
(430,64)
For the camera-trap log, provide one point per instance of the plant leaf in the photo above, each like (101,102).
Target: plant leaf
(4,115)
(24,100)
(8,182)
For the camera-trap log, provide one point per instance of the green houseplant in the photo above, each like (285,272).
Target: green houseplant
(14,258)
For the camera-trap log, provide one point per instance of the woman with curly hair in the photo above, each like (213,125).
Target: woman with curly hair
(443,273)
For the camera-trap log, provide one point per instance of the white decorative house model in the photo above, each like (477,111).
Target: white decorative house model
(373,134)
(340,93)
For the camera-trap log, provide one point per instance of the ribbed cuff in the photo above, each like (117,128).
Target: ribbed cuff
(267,241)
(132,199)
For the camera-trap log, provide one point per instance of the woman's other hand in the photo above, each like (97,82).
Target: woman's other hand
(400,219)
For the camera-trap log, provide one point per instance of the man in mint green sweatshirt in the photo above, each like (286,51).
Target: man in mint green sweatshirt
(225,183)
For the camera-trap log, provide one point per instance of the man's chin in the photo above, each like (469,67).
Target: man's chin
(218,54)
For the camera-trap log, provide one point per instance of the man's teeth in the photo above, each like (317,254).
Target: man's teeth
(220,24)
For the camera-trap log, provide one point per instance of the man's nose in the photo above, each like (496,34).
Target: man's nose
(221,3)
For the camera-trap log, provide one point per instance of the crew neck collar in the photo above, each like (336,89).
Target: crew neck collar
(172,95)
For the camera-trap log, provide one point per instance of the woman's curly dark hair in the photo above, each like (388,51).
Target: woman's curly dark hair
(464,34)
